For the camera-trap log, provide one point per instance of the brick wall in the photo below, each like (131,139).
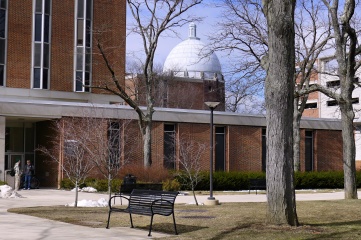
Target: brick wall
(108,24)
(328,150)
(19,44)
(243,147)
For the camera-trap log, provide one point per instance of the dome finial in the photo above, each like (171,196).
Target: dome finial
(193,31)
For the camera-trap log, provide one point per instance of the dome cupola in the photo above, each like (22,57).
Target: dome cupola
(189,59)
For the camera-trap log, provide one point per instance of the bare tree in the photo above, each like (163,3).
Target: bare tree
(347,48)
(69,152)
(104,146)
(152,18)
(189,159)
(312,35)
(243,36)
(279,93)
(346,51)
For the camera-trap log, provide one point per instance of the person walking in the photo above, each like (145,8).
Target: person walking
(28,174)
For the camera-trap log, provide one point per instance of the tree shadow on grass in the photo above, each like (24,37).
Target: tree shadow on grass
(168,228)
(224,234)
(349,233)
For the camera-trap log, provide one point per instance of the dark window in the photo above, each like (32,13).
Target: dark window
(47,7)
(87,81)
(332,103)
(38,21)
(46,56)
(331,84)
(308,151)
(335,103)
(114,143)
(79,81)
(39,6)
(220,149)
(3,4)
(89,9)
(2,51)
(264,149)
(71,148)
(36,77)
(80,9)
(46,28)
(88,33)
(169,146)
(2,23)
(2,73)
(45,78)
(311,105)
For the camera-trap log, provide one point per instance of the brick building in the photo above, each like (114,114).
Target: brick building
(48,55)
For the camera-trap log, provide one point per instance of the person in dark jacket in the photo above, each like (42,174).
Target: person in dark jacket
(28,174)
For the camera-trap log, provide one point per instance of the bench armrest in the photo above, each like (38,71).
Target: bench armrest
(116,196)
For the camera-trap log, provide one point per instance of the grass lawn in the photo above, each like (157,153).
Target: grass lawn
(319,220)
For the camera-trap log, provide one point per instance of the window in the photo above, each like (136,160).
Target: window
(3,40)
(333,84)
(308,151)
(336,83)
(114,144)
(83,43)
(220,149)
(311,105)
(335,103)
(169,146)
(264,149)
(41,44)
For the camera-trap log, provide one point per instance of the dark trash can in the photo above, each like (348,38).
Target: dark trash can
(129,179)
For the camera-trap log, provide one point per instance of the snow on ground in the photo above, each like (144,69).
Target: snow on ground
(85,189)
(102,202)
(8,192)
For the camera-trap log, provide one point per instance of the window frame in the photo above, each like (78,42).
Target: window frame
(83,49)
(3,50)
(41,48)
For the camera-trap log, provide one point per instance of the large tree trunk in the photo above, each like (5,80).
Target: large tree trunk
(349,151)
(279,93)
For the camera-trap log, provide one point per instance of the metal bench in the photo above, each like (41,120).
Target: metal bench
(257,184)
(146,202)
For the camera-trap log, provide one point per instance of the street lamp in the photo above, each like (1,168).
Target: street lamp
(211,199)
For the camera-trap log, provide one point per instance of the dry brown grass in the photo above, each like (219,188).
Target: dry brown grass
(319,220)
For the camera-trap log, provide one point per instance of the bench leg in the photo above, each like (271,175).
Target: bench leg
(108,219)
(131,220)
(175,226)
(150,228)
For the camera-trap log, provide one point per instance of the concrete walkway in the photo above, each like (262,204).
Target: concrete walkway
(15,226)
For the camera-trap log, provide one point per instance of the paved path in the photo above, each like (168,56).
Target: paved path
(14,226)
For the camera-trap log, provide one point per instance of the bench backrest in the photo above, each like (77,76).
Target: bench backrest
(163,201)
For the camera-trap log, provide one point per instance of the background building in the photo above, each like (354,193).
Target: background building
(48,53)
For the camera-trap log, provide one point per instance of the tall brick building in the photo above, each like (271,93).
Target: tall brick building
(48,55)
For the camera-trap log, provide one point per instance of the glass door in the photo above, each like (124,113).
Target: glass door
(11,159)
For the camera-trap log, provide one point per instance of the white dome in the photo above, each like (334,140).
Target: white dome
(187,59)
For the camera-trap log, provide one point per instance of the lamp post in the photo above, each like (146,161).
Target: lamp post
(211,199)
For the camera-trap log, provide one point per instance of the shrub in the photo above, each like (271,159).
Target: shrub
(171,185)
(3,183)
(152,174)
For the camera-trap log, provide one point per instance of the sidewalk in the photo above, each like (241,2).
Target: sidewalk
(15,226)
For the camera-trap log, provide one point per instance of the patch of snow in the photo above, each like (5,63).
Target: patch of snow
(102,202)
(7,192)
(85,189)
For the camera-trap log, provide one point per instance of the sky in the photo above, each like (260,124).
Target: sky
(166,44)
